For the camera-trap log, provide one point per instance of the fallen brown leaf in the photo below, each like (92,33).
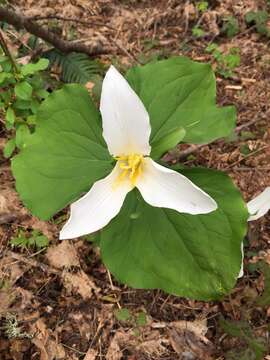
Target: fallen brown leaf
(10,269)
(90,355)
(46,341)
(63,255)
(80,283)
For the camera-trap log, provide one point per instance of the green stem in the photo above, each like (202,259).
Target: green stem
(8,53)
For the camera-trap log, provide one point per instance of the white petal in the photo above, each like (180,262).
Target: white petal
(259,206)
(96,208)
(126,125)
(241,272)
(162,187)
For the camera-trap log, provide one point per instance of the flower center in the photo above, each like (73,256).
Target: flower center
(131,167)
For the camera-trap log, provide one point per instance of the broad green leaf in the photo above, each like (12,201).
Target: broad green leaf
(30,69)
(64,157)
(9,148)
(167,142)
(180,92)
(23,90)
(195,256)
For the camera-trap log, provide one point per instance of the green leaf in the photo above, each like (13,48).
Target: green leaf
(197,31)
(181,93)
(41,93)
(259,18)
(23,90)
(20,240)
(141,319)
(230,26)
(9,148)
(122,314)
(10,117)
(4,76)
(41,241)
(34,106)
(21,104)
(64,156)
(202,6)
(22,135)
(6,96)
(30,69)
(167,142)
(192,256)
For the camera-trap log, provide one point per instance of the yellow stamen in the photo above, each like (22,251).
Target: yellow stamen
(131,167)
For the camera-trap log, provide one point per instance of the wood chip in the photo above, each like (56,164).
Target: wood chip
(233,87)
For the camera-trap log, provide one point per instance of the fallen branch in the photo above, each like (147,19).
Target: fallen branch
(23,22)
(63,18)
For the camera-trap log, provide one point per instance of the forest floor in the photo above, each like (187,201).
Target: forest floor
(61,303)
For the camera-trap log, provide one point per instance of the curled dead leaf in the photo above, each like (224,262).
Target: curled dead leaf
(188,340)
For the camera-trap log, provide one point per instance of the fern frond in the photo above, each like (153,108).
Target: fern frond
(75,67)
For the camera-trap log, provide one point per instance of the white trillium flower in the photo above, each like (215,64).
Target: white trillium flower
(126,130)
(260,205)
(257,208)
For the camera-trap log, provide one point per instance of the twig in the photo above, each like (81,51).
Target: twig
(247,156)
(246,168)
(191,150)
(251,122)
(131,56)
(22,22)
(34,263)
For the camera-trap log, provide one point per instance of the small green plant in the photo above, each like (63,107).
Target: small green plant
(202,6)
(34,239)
(197,32)
(259,19)
(230,26)
(22,91)
(264,299)
(255,347)
(136,320)
(226,63)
